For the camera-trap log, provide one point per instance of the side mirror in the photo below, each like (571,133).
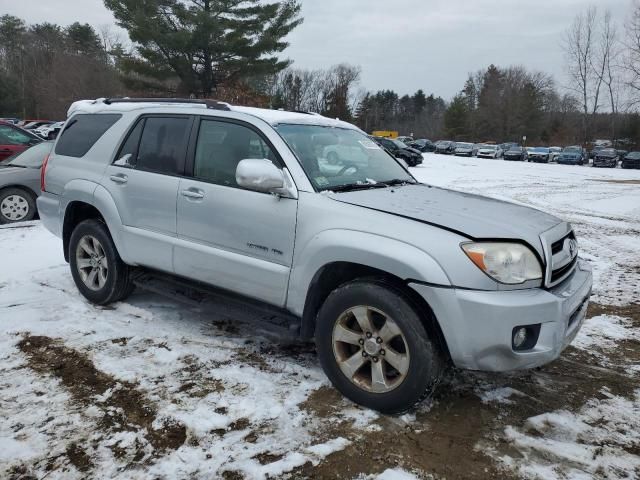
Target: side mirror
(260,175)
(124,161)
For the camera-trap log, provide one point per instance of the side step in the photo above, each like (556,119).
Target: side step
(269,321)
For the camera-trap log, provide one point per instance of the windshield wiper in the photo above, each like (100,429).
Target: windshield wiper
(398,181)
(348,187)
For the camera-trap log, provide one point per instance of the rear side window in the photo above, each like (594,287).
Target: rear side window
(13,136)
(82,132)
(163,144)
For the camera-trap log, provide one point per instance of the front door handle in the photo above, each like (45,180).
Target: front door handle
(193,193)
(119,178)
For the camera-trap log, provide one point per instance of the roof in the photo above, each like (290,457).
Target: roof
(272,117)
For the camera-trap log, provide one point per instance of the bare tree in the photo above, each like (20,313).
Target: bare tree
(631,61)
(579,46)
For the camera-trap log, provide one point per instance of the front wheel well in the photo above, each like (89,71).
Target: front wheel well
(75,213)
(332,275)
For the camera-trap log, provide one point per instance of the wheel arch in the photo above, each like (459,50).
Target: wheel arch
(20,187)
(332,275)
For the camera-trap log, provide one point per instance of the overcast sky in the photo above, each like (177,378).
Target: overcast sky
(402,45)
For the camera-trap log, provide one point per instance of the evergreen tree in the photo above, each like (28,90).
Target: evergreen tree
(206,43)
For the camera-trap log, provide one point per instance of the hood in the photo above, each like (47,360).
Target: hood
(412,150)
(472,216)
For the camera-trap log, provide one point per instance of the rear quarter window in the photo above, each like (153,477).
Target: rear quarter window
(82,132)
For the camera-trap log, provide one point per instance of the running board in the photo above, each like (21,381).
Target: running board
(269,321)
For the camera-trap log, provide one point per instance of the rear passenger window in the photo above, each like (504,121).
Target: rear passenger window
(82,132)
(163,144)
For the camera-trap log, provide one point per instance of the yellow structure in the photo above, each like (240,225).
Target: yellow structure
(385,134)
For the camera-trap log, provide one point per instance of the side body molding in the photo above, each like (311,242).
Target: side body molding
(340,245)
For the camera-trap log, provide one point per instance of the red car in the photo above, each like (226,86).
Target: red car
(14,140)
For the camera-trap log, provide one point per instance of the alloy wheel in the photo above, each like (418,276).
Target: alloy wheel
(370,349)
(91,262)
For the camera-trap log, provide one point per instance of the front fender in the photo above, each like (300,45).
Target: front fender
(389,255)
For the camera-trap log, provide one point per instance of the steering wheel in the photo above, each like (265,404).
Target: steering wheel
(344,170)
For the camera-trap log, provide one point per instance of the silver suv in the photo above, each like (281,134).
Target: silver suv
(394,279)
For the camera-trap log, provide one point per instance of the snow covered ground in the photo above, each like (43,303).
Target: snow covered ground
(153,389)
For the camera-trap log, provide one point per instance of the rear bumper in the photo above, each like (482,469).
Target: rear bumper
(478,325)
(49,211)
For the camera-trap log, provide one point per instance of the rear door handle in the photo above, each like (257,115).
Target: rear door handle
(193,193)
(119,178)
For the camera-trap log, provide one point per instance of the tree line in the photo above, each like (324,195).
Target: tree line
(232,51)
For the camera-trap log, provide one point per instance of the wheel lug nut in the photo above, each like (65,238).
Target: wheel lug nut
(361,342)
(364,354)
(368,334)
(382,352)
(375,359)
(378,340)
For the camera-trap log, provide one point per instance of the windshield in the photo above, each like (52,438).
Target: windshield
(337,157)
(399,144)
(31,157)
(572,150)
(464,145)
(608,151)
(633,155)
(488,147)
(541,149)
(515,149)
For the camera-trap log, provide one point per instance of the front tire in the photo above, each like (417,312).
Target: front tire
(374,347)
(97,269)
(16,205)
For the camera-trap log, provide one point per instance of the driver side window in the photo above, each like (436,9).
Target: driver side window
(12,136)
(221,146)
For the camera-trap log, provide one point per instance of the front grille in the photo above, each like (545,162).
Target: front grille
(558,273)
(556,247)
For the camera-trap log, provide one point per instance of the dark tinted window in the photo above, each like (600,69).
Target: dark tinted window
(221,146)
(82,132)
(13,136)
(163,144)
(130,146)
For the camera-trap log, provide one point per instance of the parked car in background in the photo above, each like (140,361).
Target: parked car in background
(631,160)
(489,151)
(20,183)
(14,139)
(607,157)
(621,153)
(594,151)
(32,125)
(424,145)
(516,153)
(49,131)
(574,155)
(463,149)
(405,139)
(554,153)
(11,120)
(474,151)
(540,155)
(446,147)
(399,150)
(507,145)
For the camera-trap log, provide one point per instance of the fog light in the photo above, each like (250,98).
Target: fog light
(519,337)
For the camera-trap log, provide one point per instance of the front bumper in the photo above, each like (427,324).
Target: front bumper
(478,325)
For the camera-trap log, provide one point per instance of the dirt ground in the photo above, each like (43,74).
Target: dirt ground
(445,438)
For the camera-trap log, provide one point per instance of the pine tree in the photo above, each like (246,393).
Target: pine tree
(206,43)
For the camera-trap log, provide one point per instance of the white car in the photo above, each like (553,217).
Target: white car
(555,153)
(489,151)
(49,131)
(464,149)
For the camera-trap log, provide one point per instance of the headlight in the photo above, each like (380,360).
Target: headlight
(511,263)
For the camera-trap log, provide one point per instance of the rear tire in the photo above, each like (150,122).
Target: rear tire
(16,205)
(389,368)
(97,269)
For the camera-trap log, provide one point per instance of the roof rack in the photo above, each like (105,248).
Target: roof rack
(212,104)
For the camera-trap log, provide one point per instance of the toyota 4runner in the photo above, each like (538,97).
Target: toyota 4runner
(394,279)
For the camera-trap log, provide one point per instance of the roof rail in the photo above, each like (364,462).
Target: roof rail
(212,104)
